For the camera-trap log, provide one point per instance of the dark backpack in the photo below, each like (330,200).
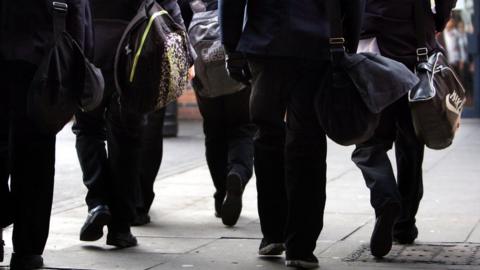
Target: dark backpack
(151,62)
(65,81)
(210,70)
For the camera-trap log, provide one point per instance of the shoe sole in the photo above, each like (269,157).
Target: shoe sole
(94,230)
(272,250)
(382,236)
(121,243)
(232,206)
(301,264)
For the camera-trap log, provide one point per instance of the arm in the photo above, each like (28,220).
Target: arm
(443,10)
(232,14)
(353,11)
(80,26)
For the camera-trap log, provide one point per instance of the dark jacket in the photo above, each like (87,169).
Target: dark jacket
(392,22)
(26,29)
(291,28)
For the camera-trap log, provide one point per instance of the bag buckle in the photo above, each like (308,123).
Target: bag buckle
(422,54)
(336,41)
(60,7)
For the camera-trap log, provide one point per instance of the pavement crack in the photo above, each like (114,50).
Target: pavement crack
(477,225)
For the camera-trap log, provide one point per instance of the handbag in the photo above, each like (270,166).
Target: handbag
(65,81)
(359,87)
(151,61)
(437,101)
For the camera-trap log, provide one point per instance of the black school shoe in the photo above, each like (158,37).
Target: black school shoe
(121,239)
(141,219)
(406,237)
(270,249)
(25,262)
(308,262)
(92,229)
(232,206)
(382,236)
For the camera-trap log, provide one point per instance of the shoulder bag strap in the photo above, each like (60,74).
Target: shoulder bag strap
(336,40)
(420,31)
(60,10)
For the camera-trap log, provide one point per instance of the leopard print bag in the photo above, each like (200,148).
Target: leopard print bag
(152,60)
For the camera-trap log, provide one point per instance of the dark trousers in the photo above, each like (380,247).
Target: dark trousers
(290,158)
(228,137)
(28,158)
(111,178)
(371,157)
(151,154)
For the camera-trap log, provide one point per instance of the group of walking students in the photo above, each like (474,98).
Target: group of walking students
(277,53)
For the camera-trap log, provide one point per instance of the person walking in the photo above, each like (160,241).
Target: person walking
(115,178)
(27,155)
(226,124)
(287,47)
(391,26)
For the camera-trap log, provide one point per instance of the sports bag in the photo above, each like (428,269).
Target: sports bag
(151,61)
(437,101)
(210,69)
(65,81)
(359,87)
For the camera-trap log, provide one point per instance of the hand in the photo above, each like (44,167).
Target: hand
(191,73)
(237,67)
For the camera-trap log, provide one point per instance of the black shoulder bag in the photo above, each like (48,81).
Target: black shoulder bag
(361,85)
(65,81)
(437,101)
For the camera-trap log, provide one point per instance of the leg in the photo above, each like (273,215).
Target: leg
(32,172)
(409,153)
(124,147)
(151,159)
(240,131)
(5,197)
(372,159)
(90,131)
(268,108)
(305,161)
(216,145)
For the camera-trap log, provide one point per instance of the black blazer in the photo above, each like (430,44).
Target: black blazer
(291,28)
(392,22)
(26,28)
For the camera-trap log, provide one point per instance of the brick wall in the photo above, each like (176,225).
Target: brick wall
(187,106)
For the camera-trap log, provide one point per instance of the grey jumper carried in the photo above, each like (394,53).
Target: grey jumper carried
(204,33)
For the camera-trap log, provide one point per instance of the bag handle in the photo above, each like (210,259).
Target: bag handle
(420,31)
(60,10)
(336,40)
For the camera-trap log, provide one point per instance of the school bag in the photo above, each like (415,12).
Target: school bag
(65,81)
(151,61)
(437,101)
(210,70)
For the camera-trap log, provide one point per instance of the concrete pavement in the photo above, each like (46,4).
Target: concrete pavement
(184,234)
